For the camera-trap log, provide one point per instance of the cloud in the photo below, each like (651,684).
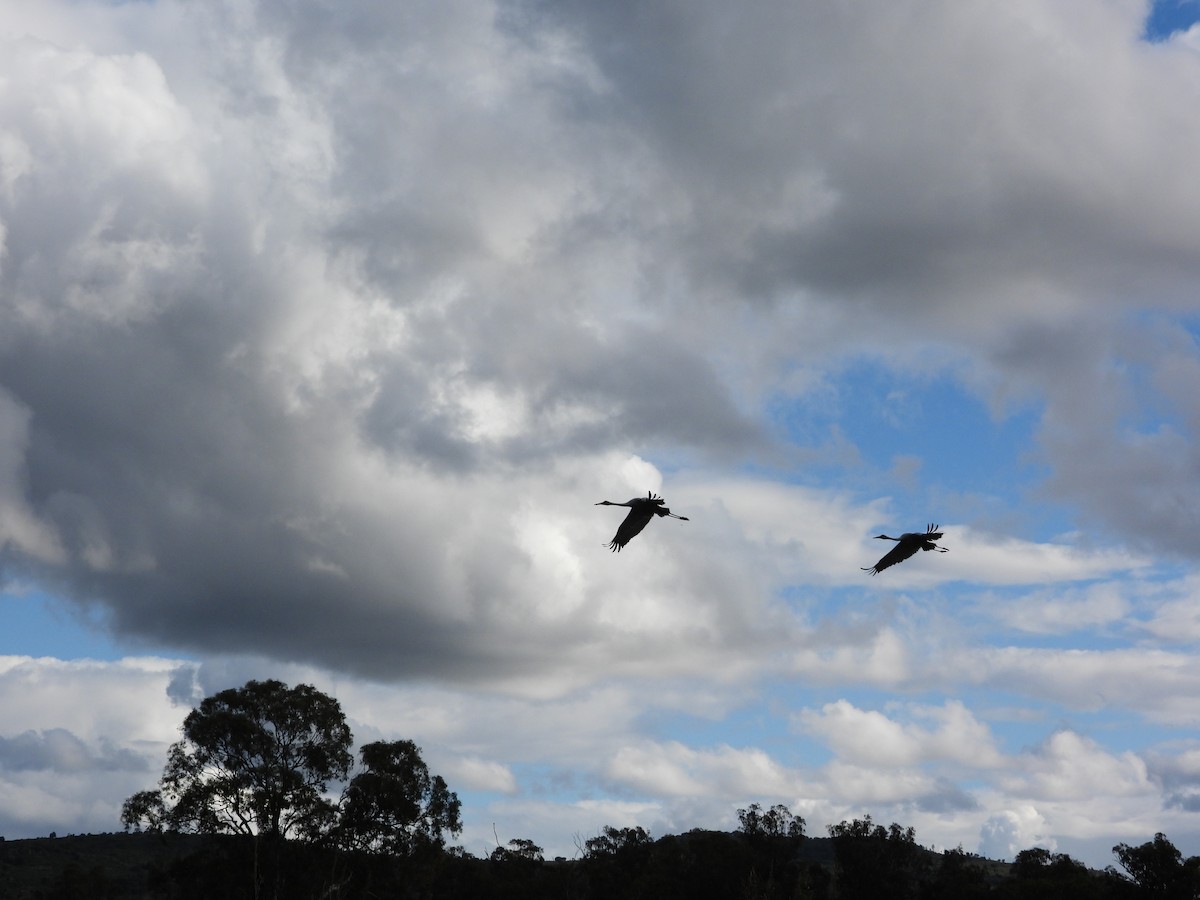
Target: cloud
(547,769)
(59,750)
(675,770)
(1118,429)
(1007,833)
(1061,611)
(1154,682)
(21,532)
(233,372)
(872,738)
(481,774)
(123,704)
(74,779)
(1179,774)
(295,390)
(322,329)
(1070,766)
(808,96)
(999,559)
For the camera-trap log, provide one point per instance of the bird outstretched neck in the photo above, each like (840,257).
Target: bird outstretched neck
(906,545)
(641,511)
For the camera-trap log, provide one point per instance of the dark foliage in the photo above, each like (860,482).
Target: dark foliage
(100,866)
(249,781)
(1156,869)
(957,876)
(253,760)
(395,805)
(618,864)
(1038,873)
(255,763)
(776,822)
(872,861)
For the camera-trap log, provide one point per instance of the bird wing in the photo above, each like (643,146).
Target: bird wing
(632,526)
(897,554)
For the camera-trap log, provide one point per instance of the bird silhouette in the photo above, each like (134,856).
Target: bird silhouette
(906,545)
(641,511)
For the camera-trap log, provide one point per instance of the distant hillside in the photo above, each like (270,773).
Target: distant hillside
(697,865)
(96,866)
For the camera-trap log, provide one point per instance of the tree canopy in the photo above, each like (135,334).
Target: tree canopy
(777,821)
(1159,869)
(395,805)
(254,759)
(259,760)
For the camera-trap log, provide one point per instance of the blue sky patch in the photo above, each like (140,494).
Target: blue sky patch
(1169,16)
(38,624)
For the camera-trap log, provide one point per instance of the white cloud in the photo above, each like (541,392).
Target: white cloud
(1069,766)
(1010,831)
(1155,683)
(999,559)
(1062,610)
(871,738)
(122,701)
(937,767)
(652,769)
(885,789)
(1173,618)
(666,769)
(78,739)
(881,657)
(473,773)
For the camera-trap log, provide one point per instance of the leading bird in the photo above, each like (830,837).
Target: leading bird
(641,511)
(906,545)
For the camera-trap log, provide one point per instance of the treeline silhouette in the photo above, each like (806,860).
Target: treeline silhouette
(859,860)
(244,810)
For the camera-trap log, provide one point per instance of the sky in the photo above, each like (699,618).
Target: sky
(324,325)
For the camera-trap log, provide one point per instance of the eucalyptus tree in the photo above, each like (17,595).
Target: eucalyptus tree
(395,805)
(252,760)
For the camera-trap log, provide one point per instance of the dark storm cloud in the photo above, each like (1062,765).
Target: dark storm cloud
(304,316)
(205,342)
(918,159)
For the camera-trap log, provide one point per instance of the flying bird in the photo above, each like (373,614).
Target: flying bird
(641,511)
(906,545)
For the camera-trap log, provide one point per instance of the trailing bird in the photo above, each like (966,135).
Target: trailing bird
(906,545)
(641,511)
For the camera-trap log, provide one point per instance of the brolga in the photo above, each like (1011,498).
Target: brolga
(906,545)
(641,511)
